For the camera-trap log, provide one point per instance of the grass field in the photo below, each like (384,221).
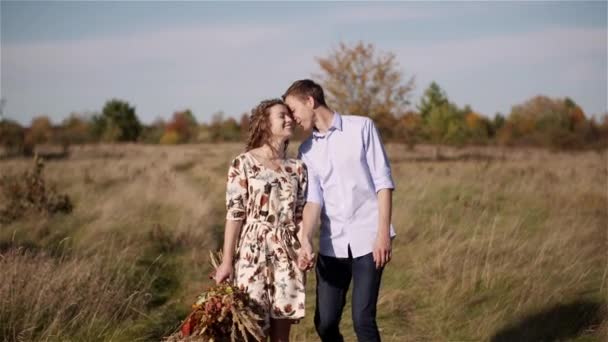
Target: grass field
(492,245)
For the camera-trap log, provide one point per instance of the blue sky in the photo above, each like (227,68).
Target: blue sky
(63,57)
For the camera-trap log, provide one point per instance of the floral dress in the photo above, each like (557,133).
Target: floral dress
(270,202)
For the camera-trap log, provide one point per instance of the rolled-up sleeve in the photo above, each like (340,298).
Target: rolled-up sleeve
(302,188)
(377,160)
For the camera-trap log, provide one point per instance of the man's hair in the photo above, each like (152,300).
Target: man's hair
(302,89)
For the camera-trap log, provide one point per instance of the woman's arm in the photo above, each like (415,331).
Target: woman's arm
(236,205)
(231,235)
(310,216)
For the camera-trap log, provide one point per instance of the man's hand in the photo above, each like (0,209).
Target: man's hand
(382,250)
(306,258)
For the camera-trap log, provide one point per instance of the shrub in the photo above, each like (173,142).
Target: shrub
(29,191)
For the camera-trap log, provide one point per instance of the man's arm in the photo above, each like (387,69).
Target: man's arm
(310,216)
(380,171)
(382,247)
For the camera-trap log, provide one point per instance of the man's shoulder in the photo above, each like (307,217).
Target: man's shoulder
(358,121)
(305,146)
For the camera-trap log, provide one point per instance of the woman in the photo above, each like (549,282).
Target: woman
(265,197)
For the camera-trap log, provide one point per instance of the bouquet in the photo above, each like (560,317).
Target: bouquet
(222,313)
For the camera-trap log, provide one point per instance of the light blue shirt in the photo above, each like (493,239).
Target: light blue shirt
(347,166)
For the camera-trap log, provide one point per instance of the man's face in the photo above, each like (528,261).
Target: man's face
(302,111)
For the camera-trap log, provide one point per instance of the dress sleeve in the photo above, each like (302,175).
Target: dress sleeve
(236,190)
(302,189)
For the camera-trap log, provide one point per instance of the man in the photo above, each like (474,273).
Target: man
(350,187)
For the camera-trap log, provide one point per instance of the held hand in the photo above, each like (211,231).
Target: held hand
(223,272)
(306,258)
(382,250)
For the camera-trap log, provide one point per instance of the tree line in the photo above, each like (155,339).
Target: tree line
(358,80)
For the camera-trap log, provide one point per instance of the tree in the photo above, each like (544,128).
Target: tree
(549,122)
(445,125)
(170,138)
(497,123)
(153,133)
(40,131)
(387,126)
(478,127)
(409,128)
(117,122)
(244,126)
(433,97)
(12,137)
(183,125)
(358,80)
(75,130)
(222,129)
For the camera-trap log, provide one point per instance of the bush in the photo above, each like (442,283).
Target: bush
(29,192)
(170,138)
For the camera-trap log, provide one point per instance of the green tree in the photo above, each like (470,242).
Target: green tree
(117,122)
(359,80)
(433,97)
(497,123)
(445,125)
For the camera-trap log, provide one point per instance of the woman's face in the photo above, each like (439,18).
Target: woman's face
(281,122)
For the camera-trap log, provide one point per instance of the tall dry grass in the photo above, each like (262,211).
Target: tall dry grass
(493,244)
(46,297)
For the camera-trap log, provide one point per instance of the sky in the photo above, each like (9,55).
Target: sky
(59,58)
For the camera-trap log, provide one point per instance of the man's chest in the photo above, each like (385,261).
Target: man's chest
(337,155)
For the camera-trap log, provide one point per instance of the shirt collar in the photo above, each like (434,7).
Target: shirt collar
(335,124)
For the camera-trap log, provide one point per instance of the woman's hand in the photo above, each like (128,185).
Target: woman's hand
(306,258)
(223,272)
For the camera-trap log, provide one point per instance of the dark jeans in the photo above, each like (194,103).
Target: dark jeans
(333,279)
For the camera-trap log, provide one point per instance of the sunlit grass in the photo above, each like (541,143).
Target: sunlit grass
(494,247)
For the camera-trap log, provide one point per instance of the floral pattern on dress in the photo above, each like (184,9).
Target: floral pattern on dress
(271,203)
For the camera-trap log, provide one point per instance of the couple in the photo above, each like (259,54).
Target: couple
(343,176)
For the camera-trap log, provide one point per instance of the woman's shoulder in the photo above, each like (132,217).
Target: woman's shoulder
(297,164)
(239,160)
(295,161)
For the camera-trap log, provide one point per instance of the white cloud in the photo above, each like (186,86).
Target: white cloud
(162,46)
(203,68)
(231,67)
(505,50)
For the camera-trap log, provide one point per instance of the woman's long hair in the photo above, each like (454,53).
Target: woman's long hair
(259,125)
